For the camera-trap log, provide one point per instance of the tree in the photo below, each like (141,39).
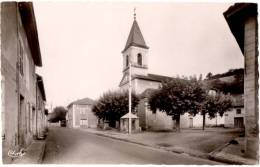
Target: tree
(113,105)
(200,77)
(215,104)
(209,75)
(58,114)
(178,96)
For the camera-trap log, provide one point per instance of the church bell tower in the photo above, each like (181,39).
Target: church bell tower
(135,51)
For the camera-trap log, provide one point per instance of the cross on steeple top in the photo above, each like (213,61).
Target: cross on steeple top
(134,13)
(135,37)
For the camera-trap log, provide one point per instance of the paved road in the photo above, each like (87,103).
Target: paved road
(72,146)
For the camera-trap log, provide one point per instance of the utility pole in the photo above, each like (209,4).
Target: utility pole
(130,98)
(130,90)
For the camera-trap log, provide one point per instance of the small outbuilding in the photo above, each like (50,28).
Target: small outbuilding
(124,120)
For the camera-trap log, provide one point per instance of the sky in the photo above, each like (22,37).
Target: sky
(81,43)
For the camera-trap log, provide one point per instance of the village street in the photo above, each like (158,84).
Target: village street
(122,84)
(64,145)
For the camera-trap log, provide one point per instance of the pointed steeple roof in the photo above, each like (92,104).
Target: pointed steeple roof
(135,37)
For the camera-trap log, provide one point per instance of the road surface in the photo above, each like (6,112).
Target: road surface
(74,146)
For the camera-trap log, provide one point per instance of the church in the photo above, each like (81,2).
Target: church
(135,54)
(143,83)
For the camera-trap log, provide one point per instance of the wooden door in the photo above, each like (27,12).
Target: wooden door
(191,123)
(238,122)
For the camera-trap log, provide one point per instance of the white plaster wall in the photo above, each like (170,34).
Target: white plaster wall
(215,121)
(197,121)
(188,121)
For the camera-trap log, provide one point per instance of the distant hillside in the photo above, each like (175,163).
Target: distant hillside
(230,82)
(231,72)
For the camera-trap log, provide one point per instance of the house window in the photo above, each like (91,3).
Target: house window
(139,59)
(238,111)
(27,72)
(21,58)
(27,118)
(127,60)
(82,111)
(33,118)
(30,117)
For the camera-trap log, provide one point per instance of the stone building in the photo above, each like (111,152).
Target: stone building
(41,114)
(242,21)
(80,114)
(20,54)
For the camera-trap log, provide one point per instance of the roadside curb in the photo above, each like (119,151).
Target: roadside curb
(219,156)
(178,150)
(126,140)
(34,153)
(232,159)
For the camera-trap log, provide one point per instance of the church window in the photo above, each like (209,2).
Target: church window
(139,59)
(127,61)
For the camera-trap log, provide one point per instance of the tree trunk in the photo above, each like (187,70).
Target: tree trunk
(98,125)
(178,123)
(204,116)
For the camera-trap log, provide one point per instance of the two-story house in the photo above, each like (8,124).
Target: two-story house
(20,54)
(242,19)
(80,114)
